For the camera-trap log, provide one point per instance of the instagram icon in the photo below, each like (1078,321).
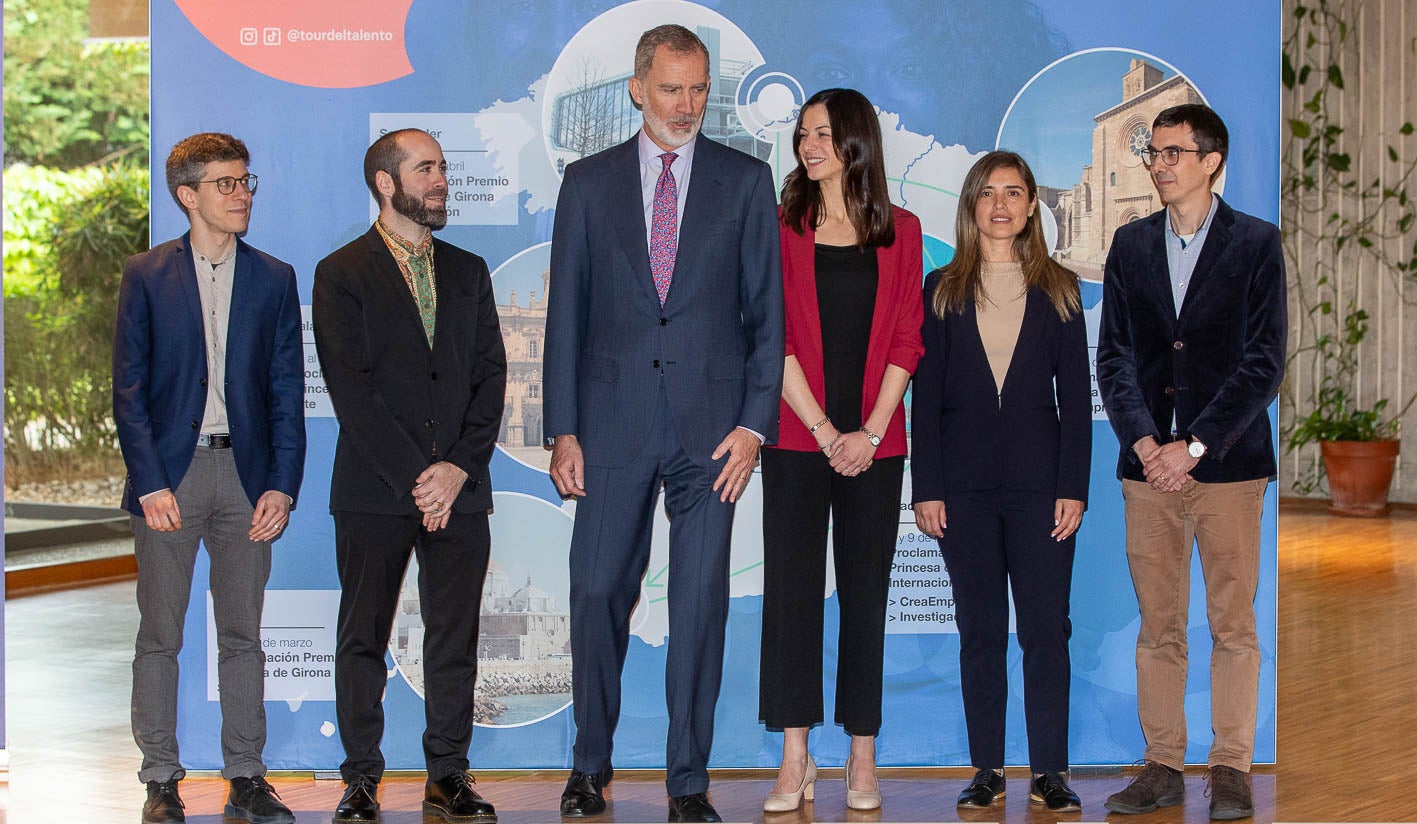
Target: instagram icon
(249,36)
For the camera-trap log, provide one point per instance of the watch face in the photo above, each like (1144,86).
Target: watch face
(1197,449)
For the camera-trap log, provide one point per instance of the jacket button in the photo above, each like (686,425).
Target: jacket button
(656,364)
(204,383)
(1169,390)
(1178,346)
(664,321)
(428,423)
(433,375)
(196,425)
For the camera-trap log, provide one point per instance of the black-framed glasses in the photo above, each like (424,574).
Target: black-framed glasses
(1171,154)
(226,185)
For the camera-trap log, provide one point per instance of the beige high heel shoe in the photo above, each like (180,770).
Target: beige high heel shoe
(862,799)
(787,802)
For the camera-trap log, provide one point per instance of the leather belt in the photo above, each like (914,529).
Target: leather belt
(214,441)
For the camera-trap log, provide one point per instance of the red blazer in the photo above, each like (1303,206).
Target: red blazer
(895,326)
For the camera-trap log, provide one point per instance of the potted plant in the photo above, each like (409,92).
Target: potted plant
(1346,239)
(1358,443)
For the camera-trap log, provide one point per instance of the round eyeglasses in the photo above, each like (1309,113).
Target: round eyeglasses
(226,185)
(1171,154)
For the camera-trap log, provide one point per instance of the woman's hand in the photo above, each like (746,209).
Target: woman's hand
(1067,517)
(930,517)
(853,454)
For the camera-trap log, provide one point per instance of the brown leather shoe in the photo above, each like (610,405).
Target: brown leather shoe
(1229,791)
(1157,785)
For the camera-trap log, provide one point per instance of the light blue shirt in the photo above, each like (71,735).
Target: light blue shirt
(650,168)
(1181,254)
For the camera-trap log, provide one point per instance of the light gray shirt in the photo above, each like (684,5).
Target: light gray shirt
(214,281)
(1182,253)
(650,168)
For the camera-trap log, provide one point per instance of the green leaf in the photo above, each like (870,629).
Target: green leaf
(1406,128)
(1339,161)
(1287,72)
(1335,75)
(1392,154)
(1299,128)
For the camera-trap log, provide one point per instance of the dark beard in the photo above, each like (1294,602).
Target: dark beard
(434,217)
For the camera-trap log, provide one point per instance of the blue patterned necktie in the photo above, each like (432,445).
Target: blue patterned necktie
(663,244)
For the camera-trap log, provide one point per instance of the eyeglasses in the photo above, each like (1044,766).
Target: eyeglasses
(1170,154)
(226,185)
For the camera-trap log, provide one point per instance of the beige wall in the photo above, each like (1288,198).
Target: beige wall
(1380,72)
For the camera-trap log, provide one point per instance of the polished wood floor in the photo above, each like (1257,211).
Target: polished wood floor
(1347,715)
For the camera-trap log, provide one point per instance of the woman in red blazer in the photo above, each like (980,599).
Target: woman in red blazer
(851,267)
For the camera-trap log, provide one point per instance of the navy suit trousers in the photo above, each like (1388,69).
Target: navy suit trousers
(610,549)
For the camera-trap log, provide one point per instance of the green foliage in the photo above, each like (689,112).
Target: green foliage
(66,237)
(1336,220)
(68,103)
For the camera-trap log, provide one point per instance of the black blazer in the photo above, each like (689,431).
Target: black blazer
(402,405)
(965,437)
(1217,364)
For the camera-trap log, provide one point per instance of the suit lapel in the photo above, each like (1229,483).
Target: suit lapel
(242,284)
(1156,268)
(1035,303)
(627,210)
(391,279)
(187,271)
(1217,240)
(702,203)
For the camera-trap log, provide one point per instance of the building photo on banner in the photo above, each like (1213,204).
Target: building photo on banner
(515,93)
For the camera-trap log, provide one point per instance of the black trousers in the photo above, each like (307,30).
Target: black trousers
(800,489)
(993,541)
(372,553)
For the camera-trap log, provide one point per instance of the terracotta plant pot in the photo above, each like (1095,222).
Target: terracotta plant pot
(1359,474)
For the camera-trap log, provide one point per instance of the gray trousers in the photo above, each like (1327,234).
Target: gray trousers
(216,512)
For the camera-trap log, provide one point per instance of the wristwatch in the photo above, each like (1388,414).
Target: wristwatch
(1196,448)
(871,436)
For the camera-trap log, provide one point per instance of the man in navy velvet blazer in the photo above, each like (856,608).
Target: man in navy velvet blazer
(208,389)
(663,366)
(1189,357)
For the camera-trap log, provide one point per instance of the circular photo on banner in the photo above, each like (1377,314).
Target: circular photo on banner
(521,285)
(586,107)
(1082,123)
(524,636)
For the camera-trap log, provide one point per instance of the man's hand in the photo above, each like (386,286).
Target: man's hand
(160,511)
(272,513)
(741,447)
(437,487)
(1168,467)
(930,517)
(853,454)
(433,523)
(1067,517)
(568,466)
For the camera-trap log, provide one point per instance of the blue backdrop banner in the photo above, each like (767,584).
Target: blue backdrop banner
(514,91)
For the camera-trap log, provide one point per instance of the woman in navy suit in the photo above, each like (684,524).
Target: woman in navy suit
(851,267)
(1002,435)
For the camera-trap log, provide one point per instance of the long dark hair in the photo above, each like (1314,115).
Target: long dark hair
(856,137)
(960,281)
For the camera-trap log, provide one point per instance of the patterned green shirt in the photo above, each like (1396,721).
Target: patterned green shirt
(416,263)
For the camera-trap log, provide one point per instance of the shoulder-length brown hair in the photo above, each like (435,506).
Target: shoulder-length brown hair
(856,137)
(960,280)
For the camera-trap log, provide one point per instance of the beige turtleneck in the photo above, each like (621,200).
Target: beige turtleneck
(1001,315)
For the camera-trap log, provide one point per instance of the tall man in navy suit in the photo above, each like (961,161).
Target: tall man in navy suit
(411,350)
(663,367)
(208,400)
(1189,356)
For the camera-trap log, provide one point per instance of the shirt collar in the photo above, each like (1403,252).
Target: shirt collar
(1201,230)
(650,151)
(404,243)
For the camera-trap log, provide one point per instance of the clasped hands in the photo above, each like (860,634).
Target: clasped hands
(434,491)
(849,453)
(1167,467)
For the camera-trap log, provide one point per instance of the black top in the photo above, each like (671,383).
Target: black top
(846,300)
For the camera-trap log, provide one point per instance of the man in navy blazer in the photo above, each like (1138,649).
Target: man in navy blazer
(663,366)
(208,390)
(1189,357)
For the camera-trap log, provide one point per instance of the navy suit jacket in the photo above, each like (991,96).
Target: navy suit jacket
(160,372)
(404,405)
(1216,364)
(717,341)
(1036,437)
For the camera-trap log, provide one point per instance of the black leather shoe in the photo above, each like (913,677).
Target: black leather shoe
(456,801)
(360,802)
(986,788)
(694,807)
(585,793)
(252,799)
(1052,790)
(163,805)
